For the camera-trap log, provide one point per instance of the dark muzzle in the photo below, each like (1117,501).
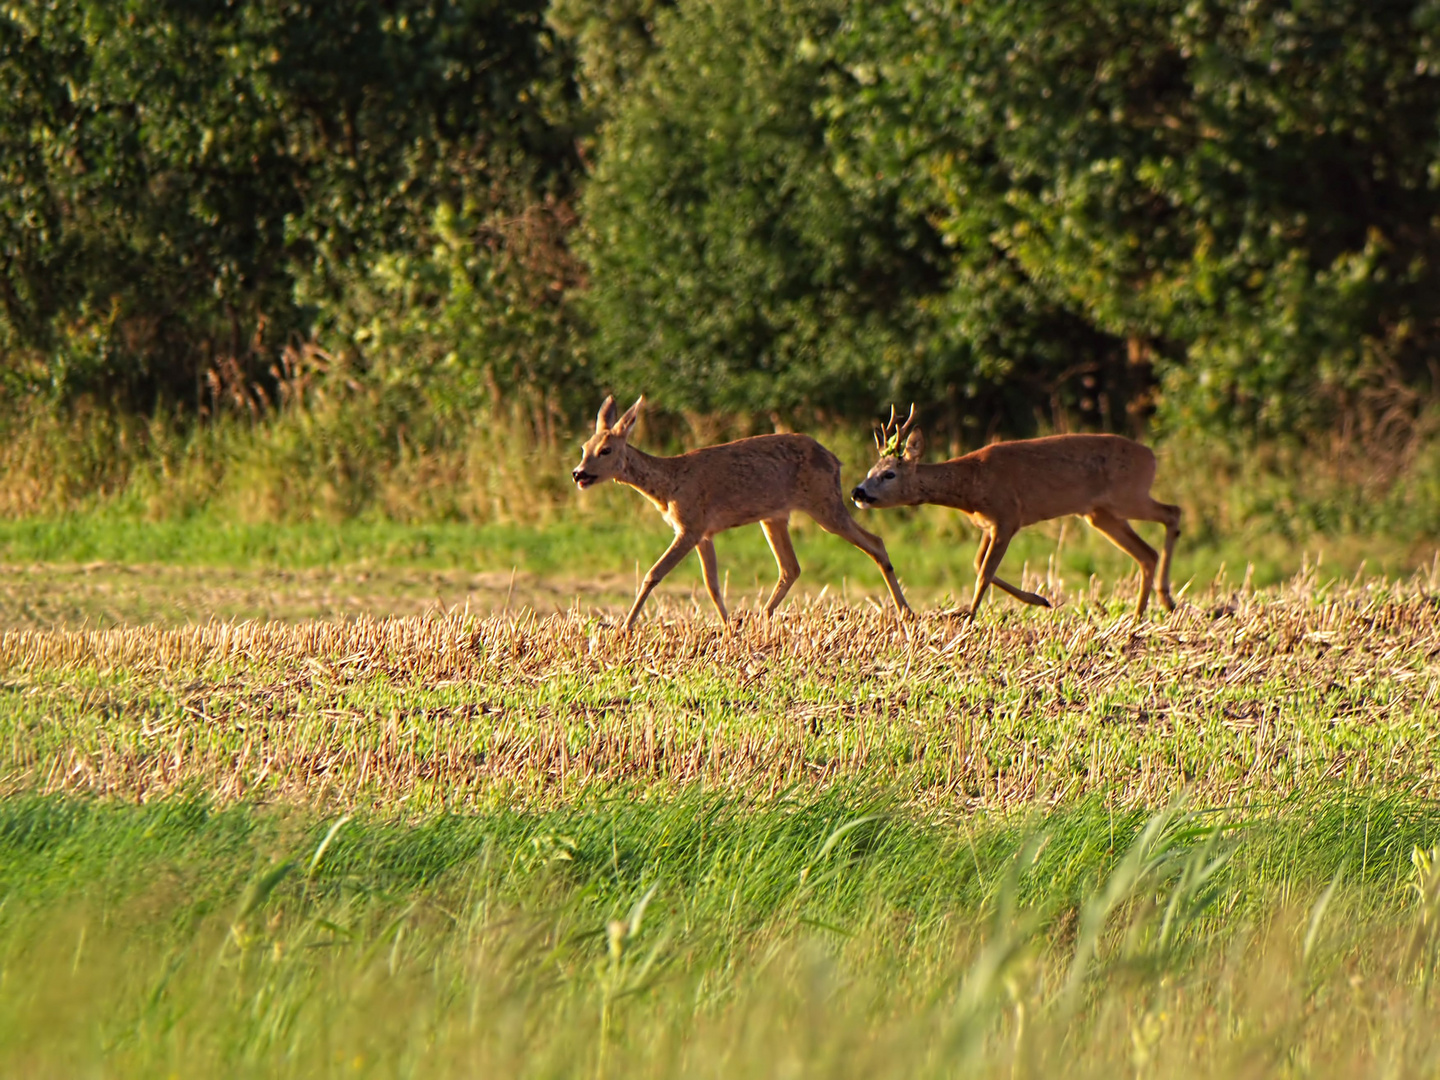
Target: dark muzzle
(583,478)
(859,495)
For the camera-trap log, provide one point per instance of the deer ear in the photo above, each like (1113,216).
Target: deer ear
(914,446)
(625,423)
(605,418)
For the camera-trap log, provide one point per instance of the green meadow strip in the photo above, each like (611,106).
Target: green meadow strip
(704,935)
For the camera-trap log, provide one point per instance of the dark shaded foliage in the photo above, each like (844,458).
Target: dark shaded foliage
(188,187)
(1017,214)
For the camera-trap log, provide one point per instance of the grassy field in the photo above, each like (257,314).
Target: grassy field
(712,936)
(1238,696)
(508,842)
(93,570)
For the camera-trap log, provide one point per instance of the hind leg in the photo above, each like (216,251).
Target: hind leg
(835,519)
(1169,515)
(777,531)
(1119,532)
(1146,508)
(706,548)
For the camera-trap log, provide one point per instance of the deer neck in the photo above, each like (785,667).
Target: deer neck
(654,477)
(950,483)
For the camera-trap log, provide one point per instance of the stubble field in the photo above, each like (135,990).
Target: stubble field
(827,844)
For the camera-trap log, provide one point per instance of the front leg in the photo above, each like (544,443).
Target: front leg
(706,548)
(981,550)
(1024,597)
(681,546)
(982,553)
(998,541)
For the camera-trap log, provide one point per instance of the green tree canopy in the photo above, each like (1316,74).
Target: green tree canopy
(731,267)
(1246,191)
(1007,211)
(185,185)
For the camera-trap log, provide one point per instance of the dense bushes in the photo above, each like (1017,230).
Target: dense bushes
(1242,192)
(189,187)
(1013,212)
(1052,204)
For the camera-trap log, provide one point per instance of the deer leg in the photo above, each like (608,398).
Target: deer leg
(980,551)
(678,549)
(1034,599)
(1169,515)
(1145,508)
(1130,542)
(997,541)
(837,521)
(706,548)
(986,542)
(777,531)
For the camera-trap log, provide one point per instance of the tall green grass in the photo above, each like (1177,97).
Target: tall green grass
(704,936)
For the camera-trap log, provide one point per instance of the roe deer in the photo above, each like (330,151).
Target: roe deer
(1103,478)
(761,479)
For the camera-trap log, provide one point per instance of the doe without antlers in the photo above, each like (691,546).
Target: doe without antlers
(762,479)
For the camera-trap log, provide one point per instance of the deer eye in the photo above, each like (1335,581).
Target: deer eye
(605,451)
(889,475)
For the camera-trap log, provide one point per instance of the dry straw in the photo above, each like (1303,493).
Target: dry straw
(1237,696)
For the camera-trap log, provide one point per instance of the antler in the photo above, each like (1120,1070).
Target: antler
(909,423)
(890,439)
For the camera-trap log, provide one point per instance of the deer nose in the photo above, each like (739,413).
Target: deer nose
(859,495)
(577,475)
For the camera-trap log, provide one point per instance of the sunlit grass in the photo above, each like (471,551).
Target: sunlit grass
(1047,843)
(101,570)
(706,936)
(1238,695)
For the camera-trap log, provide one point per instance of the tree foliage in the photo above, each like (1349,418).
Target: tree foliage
(187,186)
(732,269)
(1244,192)
(1238,196)
(1008,211)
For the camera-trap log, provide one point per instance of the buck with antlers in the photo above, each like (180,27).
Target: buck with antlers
(761,479)
(1103,478)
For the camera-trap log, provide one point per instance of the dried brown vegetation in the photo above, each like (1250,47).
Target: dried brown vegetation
(1238,696)
(101,595)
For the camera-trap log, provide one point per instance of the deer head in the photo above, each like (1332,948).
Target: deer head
(603,452)
(891,481)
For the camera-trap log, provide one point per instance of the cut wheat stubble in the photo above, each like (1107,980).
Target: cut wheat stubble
(1238,696)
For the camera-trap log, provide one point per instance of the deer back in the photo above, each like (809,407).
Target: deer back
(750,480)
(1032,480)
